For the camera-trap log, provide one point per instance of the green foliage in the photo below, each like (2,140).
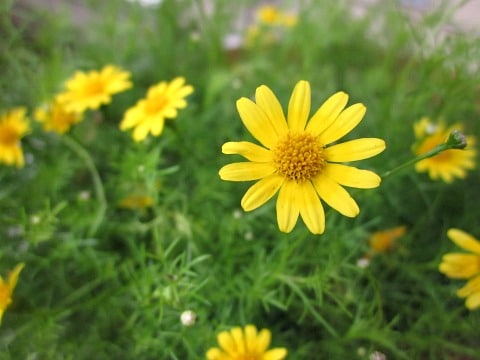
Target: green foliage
(102,281)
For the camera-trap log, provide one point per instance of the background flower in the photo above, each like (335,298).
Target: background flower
(13,126)
(6,288)
(55,117)
(162,102)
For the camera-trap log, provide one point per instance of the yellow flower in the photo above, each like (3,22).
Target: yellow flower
(464,266)
(136,201)
(13,126)
(300,161)
(449,164)
(161,102)
(92,89)
(382,241)
(6,288)
(56,118)
(269,14)
(242,344)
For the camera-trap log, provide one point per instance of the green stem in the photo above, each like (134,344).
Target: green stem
(97,181)
(435,151)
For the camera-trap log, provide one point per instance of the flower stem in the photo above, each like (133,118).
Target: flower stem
(97,181)
(435,151)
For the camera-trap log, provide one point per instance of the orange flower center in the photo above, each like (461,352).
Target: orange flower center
(94,86)
(298,156)
(8,136)
(156,104)
(430,143)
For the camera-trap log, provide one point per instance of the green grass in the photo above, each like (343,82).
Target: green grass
(117,290)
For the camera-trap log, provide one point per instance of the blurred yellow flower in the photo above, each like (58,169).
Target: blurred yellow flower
(161,102)
(55,117)
(6,288)
(449,164)
(384,240)
(246,343)
(136,201)
(300,161)
(464,266)
(89,90)
(13,126)
(271,15)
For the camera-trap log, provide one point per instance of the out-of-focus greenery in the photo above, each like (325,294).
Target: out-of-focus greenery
(118,291)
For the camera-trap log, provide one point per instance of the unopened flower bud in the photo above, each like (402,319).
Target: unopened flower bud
(188,318)
(457,140)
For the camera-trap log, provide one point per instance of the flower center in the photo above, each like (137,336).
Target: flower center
(156,104)
(8,136)
(298,156)
(95,86)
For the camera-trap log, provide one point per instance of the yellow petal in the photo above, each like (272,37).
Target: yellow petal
(288,206)
(226,342)
(275,354)
(472,287)
(345,122)
(459,265)
(262,191)
(263,340)
(248,150)
(335,196)
(269,103)
(311,209)
(351,176)
(327,113)
(13,276)
(353,150)
(250,337)
(299,106)
(464,240)
(237,335)
(473,301)
(246,171)
(257,122)
(213,354)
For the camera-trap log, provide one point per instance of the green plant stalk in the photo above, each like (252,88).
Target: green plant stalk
(97,181)
(435,151)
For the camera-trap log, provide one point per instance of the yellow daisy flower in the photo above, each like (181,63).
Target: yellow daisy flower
(384,240)
(246,343)
(13,126)
(55,117)
(6,288)
(300,160)
(449,164)
(161,102)
(269,14)
(91,89)
(464,266)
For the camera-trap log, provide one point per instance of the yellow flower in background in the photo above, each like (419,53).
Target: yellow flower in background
(271,15)
(449,164)
(136,201)
(384,240)
(55,117)
(162,102)
(464,266)
(13,126)
(6,288)
(90,90)
(300,160)
(246,343)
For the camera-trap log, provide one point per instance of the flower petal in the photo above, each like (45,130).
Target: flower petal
(263,341)
(354,150)
(248,150)
(213,354)
(288,206)
(237,335)
(299,106)
(470,288)
(345,122)
(335,196)
(311,209)
(246,171)
(262,191)
(473,301)
(250,337)
(351,176)
(257,122)
(226,342)
(464,240)
(269,103)
(327,113)
(459,265)
(275,354)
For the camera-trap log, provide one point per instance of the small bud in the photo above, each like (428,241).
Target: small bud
(456,140)
(188,318)
(377,355)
